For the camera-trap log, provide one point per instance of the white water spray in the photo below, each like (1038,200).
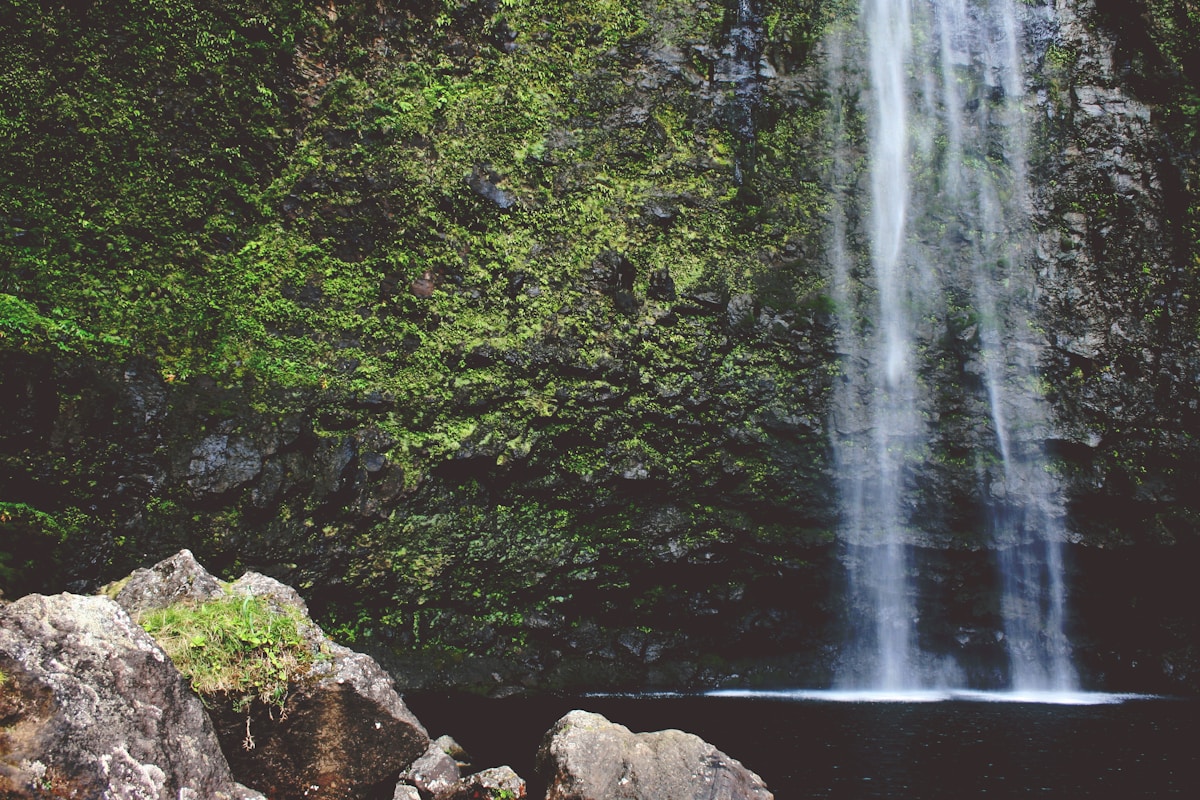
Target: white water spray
(948,243)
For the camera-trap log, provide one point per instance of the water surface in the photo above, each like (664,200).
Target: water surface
(933,746)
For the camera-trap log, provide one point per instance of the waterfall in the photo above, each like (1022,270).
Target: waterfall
(941,255)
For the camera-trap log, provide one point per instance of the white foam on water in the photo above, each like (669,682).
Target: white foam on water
(1078,698)
(837,695)
(1069,698)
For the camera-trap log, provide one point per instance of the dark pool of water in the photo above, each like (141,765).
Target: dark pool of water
(1140,748)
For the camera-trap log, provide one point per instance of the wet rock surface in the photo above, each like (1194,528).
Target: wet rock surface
(1115,269)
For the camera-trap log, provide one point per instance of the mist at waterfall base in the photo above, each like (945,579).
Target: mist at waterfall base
(804,746)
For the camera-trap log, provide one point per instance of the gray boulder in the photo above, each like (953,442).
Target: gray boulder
(173,580)
(432,773)
(586,757)
(279,595)
(453,749)
(740,311)
(92,707)
(343,730)
(498,783)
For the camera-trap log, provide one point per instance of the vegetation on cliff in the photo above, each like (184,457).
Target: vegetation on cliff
(478,257)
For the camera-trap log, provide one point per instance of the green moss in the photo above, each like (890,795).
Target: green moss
(35,545)
(24,327)
(132,135)
(111,590)
(277,196)
(241,648)
(292,262)
(1061,57)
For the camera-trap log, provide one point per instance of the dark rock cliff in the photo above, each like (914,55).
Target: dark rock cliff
(506,338)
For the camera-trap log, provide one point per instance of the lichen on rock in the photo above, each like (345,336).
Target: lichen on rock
(93,708)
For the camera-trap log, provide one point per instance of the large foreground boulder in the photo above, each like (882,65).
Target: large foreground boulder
(91,707)
(343,732)
(586,757)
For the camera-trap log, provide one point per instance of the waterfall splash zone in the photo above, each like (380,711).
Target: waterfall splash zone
(938,347)
(932,696)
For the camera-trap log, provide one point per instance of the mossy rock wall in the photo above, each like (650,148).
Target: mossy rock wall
(501,329)
(468,319)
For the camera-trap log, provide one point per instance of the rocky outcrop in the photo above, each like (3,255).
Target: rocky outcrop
(586,757)
(92,707)
(179,578)
(343,731)
(433,773)
(500,783)
(438,775)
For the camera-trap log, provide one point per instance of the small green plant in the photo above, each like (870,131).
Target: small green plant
(1060,56)
(238,647)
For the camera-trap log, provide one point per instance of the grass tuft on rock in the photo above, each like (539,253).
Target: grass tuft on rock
(237,647)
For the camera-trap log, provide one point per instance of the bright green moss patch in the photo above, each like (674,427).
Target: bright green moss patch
(237,647)
(24,326)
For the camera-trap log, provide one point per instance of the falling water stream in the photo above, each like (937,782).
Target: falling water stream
(946,247)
